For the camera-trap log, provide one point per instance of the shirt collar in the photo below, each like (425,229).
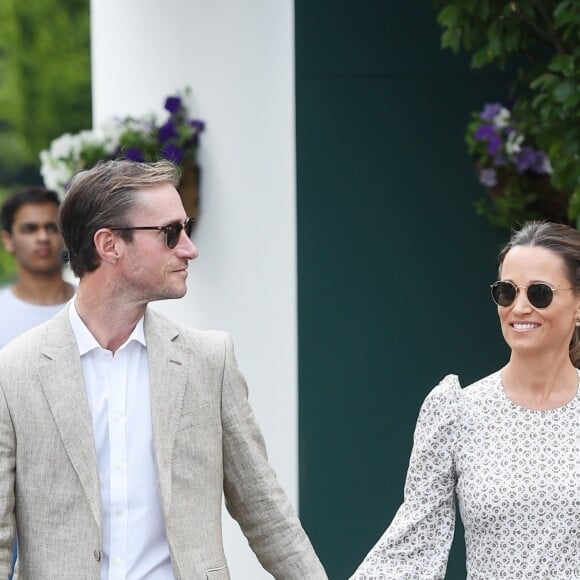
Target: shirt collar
(85,339)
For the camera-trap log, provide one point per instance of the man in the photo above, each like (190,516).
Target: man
(119,429)
(30,234)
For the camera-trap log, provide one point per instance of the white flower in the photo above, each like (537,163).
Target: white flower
(547,166)
(500,120)
(56,173)
(514,143)
(110,135)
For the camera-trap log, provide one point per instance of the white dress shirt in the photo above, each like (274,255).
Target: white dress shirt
(134,542)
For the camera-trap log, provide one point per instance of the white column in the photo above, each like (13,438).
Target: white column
(238,59)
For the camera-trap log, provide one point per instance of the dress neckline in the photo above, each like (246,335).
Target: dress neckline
(515,405)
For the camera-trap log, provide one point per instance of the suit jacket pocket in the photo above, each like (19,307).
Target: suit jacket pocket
(193,417)
(218,573)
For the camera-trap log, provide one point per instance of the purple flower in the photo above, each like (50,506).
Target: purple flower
(526,159)
(173,104)
(198,125)
(494,145)
(134,154)
(488,177)
(541,164)
(167,131)
(490,110)
(484,133)
(172,153)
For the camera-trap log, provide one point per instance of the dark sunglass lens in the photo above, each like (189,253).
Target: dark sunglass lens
(540,295)
(503,293)
(172,235)
(188,227)
(173,231)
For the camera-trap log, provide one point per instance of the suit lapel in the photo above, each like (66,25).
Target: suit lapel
(168,370)
(62,381)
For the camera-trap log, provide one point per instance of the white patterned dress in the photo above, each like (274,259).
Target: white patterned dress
(516,475)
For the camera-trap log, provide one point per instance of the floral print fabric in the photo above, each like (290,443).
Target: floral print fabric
(516,475)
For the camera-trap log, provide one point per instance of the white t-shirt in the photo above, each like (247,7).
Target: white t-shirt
(17,316)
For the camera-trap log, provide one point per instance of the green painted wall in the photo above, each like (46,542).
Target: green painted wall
(394,265)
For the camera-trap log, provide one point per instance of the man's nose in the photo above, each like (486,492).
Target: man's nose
(43,233)
(187,249)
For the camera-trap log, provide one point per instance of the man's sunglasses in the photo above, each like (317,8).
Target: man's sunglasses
(171,231)
(540,294)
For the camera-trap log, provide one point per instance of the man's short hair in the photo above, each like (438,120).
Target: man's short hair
(104,197)
(22,197)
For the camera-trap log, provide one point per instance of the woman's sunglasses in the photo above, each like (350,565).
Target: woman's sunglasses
(540,294)
(171,231)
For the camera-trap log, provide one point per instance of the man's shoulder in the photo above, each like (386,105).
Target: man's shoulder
(34,339)
(6,296)
(159,323)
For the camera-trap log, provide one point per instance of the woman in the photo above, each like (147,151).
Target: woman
(507,445)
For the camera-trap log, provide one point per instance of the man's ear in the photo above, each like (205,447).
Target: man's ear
(7,241)
(105,241)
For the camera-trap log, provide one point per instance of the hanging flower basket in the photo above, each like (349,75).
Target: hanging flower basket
(514,198)
(189,188)
(143,139)
(515,174)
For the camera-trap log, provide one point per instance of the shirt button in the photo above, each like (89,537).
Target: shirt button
(119,513)
(97,555)
(118,465)
(117,561)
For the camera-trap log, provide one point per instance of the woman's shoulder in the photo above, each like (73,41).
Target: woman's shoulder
(481,389)
(448,395)
(447,391)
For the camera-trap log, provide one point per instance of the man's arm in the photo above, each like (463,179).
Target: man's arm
(252,492)
(7,478)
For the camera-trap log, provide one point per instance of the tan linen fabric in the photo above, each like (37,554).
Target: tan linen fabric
(206,443)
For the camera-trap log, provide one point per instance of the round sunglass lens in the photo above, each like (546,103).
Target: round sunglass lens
(504,293)
(540,295)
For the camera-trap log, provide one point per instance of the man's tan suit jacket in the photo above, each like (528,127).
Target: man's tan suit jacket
(206,442)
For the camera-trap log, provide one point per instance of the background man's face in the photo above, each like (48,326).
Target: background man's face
(35,241)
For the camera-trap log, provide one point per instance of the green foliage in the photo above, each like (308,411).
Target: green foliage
(7,268)
(7,263)
(45,73)
(44,86)
(541,40)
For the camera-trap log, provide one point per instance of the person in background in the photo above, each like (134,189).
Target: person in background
(121,430)
(30,233)
(507,445)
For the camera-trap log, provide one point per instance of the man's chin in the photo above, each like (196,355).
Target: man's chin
(171,294)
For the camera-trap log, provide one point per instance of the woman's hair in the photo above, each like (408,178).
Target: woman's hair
(102,197)
(564,241)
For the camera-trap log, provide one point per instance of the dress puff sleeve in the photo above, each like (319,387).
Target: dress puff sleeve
(416,544)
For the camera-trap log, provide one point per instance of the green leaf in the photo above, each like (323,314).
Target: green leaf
(451,39)
(563,63)
(480,58)
(564,13)
(449,16)
(564,91)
